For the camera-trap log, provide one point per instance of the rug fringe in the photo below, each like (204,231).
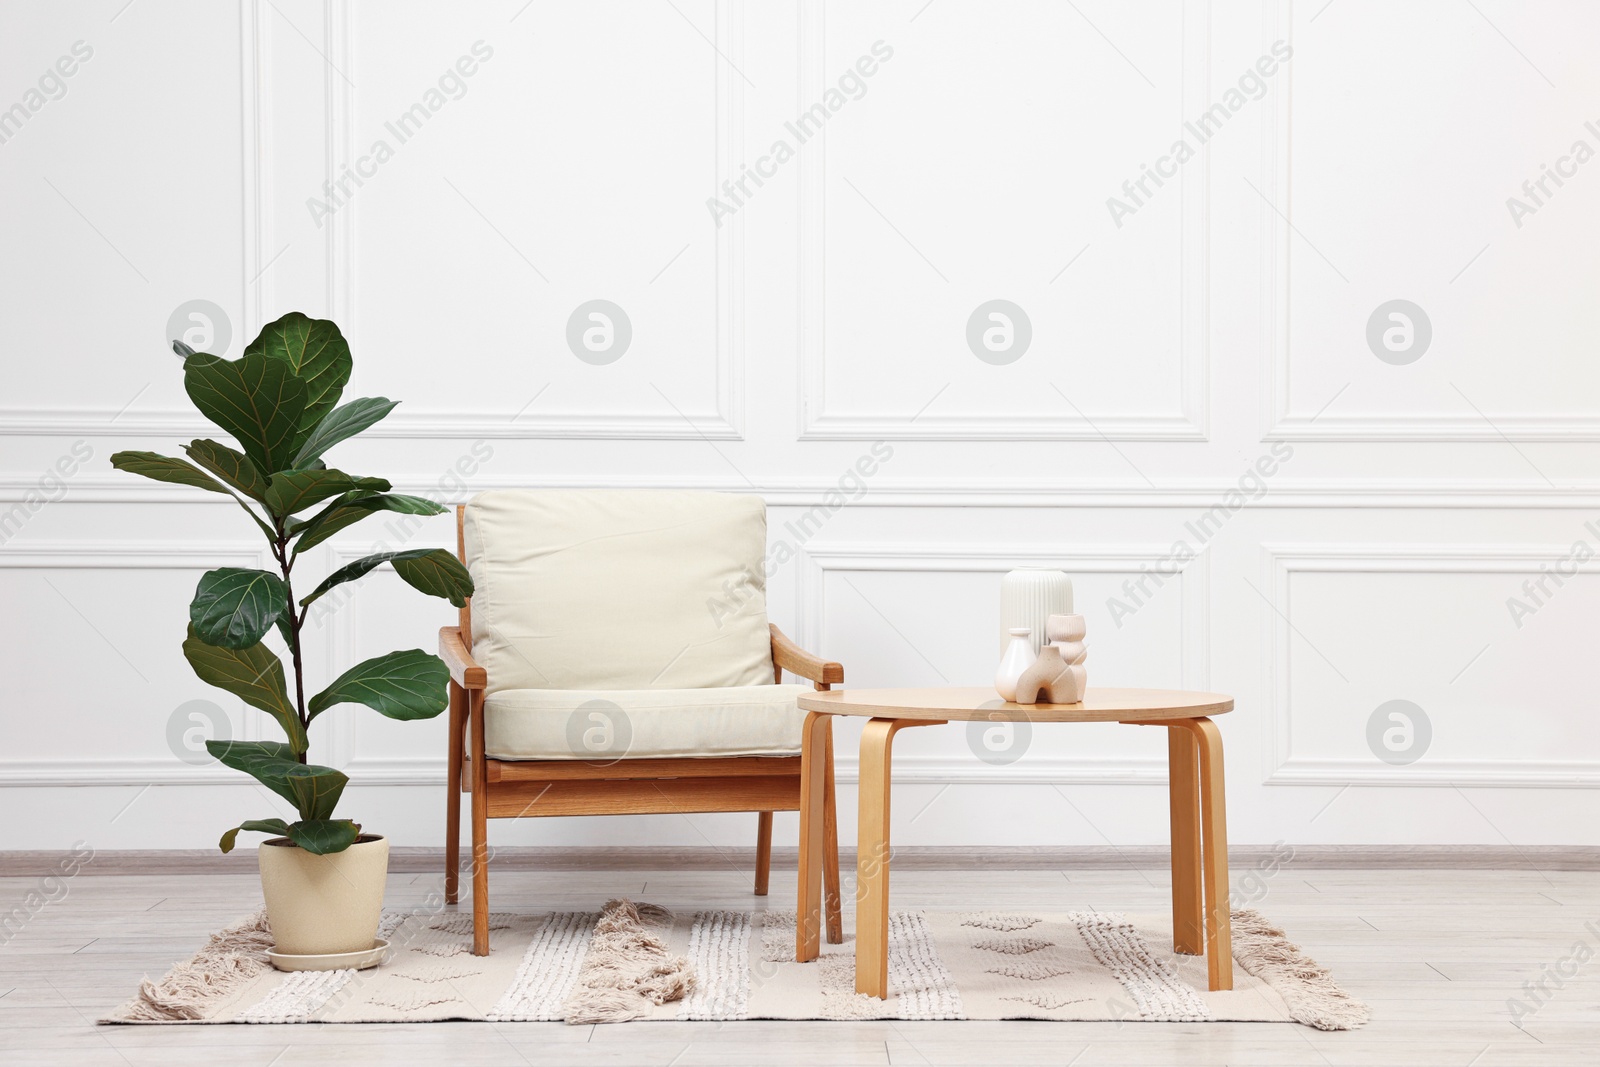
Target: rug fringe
(1305,985)
(230,958)
(626,967)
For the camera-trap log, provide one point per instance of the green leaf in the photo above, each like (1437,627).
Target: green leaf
(234,607)
(231,465)
(268,762)
(437,573)
(316,353)
(434,571)
(256,399)
(260,826)
(313,790)
(354,507)
(252,674)
(296,490)
(342,423)
(185,351)
(323,836)
(316,790)
(401,685)
(165,469)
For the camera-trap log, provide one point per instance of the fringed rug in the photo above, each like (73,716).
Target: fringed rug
(638,961)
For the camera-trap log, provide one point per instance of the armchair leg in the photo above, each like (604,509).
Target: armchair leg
(452,803)
(763,851)
(830,857)
(480,832)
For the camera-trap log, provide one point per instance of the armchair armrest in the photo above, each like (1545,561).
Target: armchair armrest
(464,671)
(789,656)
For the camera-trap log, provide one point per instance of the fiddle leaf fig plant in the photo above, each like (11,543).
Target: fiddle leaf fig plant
(280,403)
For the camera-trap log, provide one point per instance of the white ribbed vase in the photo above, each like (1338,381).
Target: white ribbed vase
(1029,596)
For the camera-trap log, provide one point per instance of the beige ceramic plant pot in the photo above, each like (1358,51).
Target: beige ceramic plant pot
(319,905)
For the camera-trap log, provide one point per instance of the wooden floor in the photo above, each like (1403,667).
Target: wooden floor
(1436,953)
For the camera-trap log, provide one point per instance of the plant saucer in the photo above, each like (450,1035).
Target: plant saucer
(332,961)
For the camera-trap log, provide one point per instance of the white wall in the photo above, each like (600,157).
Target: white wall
(1222,323)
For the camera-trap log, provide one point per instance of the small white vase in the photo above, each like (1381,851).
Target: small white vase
(1019,656)
(1028,597)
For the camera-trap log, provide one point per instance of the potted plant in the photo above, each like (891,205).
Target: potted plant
(321,876)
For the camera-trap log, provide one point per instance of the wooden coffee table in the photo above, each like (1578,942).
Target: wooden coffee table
(1194,770)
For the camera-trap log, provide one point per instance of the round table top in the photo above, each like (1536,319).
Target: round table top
(984,704)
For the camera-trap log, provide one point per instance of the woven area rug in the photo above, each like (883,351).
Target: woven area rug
(638,961)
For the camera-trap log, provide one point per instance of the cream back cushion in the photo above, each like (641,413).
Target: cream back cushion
(619,589)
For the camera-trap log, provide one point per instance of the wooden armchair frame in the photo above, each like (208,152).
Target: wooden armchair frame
(509,789)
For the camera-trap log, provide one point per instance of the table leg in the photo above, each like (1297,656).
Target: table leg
(1214,827)
(813,768)
(1188,912)
(872,855)
(872,861)
(832,904)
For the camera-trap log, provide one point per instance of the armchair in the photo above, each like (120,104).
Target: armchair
(616,659)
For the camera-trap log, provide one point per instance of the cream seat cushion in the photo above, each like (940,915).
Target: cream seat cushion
(618,589)
(746,720)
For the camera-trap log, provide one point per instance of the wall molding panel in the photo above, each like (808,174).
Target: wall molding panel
(1188,423)
(122,556)
(1285,246)
(1286,560)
